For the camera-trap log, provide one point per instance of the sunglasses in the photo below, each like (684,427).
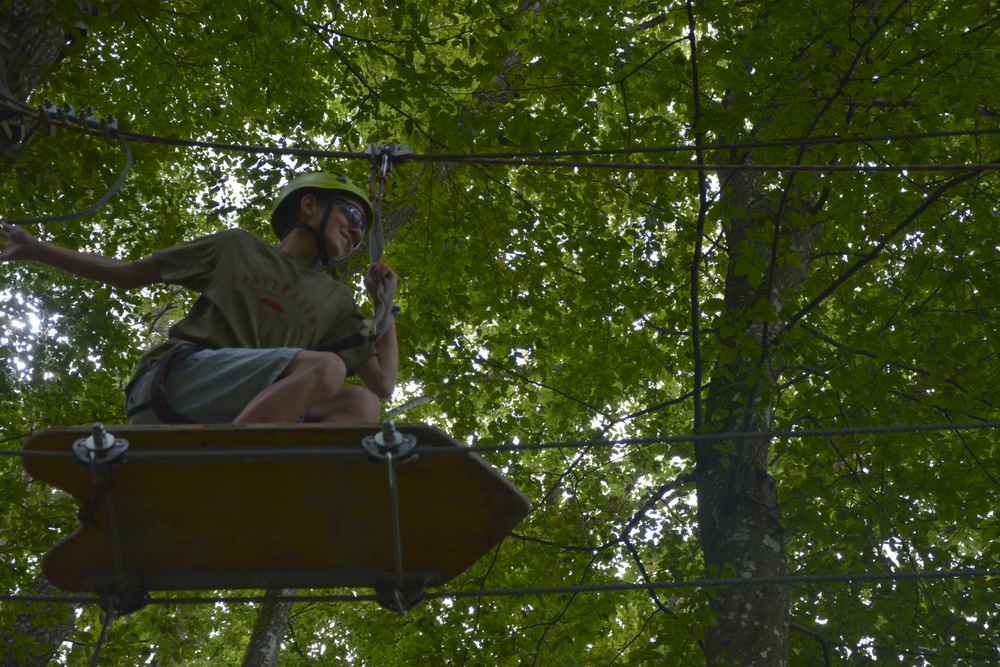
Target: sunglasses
(354,213)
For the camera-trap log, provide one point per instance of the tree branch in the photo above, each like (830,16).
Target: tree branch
(823,642)
(550,624)
(790,179)
(879,247)
(642,629)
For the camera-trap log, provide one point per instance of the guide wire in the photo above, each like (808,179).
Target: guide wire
(260,455)
(536,159)
(138,137)
(682,167)
(611,587)
(692,148)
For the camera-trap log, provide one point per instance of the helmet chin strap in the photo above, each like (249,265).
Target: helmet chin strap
(323,257)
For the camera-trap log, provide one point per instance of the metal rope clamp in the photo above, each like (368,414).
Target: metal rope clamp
(383,155)
(96,450)
(100,447)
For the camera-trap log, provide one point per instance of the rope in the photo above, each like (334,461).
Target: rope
(98,205)
(137,137)
(613,587)
(272,453)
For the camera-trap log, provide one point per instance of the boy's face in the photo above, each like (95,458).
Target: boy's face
(346,228)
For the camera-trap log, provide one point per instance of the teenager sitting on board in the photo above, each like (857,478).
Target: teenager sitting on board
(273,335)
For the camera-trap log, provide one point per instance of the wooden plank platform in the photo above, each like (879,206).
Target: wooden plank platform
(287,523)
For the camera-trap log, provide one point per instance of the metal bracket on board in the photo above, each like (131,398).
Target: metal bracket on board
(100,447)
(391,446)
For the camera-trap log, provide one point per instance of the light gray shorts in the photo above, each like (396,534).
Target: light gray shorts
(211,386)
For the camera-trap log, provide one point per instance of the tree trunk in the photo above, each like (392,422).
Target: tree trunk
(268,630)
(30,44)
(738,515)
(38,630)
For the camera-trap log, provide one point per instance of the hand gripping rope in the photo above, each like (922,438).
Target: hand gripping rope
(382,158)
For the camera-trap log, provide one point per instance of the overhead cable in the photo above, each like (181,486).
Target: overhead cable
(536,159)
(749,145)
(264,454)
(611,587)
(692,166)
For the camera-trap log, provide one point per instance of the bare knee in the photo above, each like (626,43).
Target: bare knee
(353,405)
(372,404)
(361,402)
(326,371)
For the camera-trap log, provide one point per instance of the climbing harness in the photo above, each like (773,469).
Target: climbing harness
(158,401)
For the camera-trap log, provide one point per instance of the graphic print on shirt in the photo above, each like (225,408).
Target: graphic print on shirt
(281,306)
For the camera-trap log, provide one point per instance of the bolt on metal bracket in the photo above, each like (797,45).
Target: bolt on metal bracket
(393,447)
(389,442)
(100,447)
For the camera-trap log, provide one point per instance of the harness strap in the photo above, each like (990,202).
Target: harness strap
(323,258)
(345,343)
(158,391)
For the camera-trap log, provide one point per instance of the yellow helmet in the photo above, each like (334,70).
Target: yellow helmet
(320,181)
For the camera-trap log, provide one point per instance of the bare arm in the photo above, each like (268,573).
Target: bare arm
(379,372)
(20,245)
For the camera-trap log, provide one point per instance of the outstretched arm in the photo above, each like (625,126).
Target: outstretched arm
(17,244)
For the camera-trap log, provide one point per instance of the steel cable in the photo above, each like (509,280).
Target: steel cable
(611,587)
(263,454)
(537,159)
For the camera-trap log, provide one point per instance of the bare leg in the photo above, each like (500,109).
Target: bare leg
(352,406)
(311,378)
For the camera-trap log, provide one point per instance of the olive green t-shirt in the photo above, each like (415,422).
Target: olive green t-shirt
(253,296)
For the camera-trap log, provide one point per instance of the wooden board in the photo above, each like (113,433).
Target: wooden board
(288,523)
